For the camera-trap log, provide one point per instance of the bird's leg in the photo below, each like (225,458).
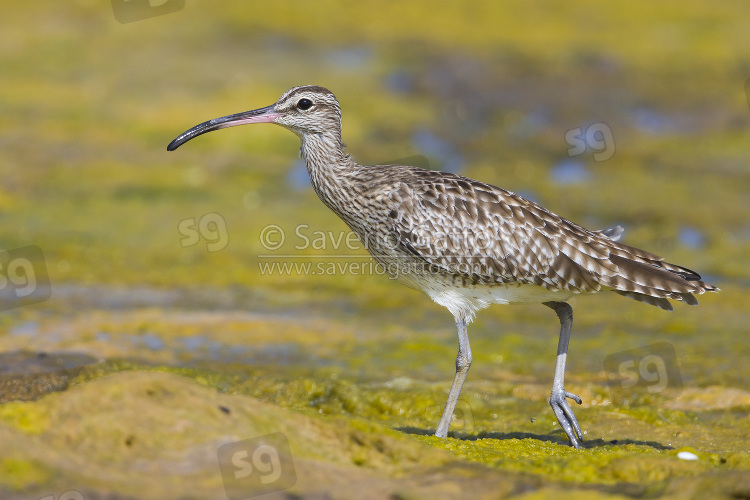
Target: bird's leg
(463,362)
(558,397)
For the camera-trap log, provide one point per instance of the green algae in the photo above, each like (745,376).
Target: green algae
(601,463)
(25,417)
(378,405)
(163,420)
(17,474)
(161,413)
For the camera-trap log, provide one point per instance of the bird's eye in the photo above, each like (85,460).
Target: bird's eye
(304,104)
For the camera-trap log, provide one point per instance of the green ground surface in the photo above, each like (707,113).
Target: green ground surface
(153,353)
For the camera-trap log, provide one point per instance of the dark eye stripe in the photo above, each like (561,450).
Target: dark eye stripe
(304,104)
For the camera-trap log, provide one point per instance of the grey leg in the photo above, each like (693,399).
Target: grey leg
(557,400)
(463,362)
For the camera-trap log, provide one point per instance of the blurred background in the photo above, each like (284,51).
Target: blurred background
(491,91)
(634,114)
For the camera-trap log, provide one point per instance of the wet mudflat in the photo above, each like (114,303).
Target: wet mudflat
(135,399)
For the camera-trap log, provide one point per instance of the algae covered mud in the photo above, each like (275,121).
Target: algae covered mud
(197,327)
(348,404)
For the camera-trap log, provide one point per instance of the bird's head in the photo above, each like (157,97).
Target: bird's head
(303,110)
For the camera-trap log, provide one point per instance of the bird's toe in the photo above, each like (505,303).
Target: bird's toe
(573,397)
(566,417)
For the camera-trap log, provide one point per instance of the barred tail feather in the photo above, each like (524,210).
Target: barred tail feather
(655,282)
(659,302)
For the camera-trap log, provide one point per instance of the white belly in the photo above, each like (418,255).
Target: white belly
(465,302)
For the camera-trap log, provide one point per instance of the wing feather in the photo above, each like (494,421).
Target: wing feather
(491,236)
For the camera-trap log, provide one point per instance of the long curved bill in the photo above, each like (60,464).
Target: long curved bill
(262,115)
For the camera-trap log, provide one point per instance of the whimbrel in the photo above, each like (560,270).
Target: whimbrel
(465,243)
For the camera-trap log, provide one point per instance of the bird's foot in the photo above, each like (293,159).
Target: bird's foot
(565,416)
